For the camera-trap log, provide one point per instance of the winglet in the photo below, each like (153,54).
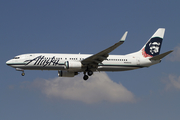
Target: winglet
(124,37)
(159,57)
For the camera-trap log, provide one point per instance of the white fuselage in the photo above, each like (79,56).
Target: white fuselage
(47,61)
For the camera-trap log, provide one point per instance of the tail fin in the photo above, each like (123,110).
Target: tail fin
(153,45)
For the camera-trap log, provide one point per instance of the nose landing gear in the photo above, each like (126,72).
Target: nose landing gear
(19,69)
(23,73)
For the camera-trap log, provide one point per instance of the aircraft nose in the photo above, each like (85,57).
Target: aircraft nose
(8,62)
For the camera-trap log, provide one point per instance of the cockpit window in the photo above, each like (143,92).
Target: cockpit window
(16,57)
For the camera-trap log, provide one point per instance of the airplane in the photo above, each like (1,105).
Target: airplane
(70,65)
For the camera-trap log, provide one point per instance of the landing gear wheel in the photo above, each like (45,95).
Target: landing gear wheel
(23,74)
(85,77)
(90,73)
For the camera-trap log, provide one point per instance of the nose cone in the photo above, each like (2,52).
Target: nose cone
(9,62)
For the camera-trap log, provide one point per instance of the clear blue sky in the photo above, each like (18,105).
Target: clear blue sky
(78,26)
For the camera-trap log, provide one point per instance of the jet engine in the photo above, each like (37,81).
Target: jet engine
(66,73)
(72,65)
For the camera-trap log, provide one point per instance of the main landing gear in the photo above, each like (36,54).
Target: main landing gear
(87,76)
(19,69)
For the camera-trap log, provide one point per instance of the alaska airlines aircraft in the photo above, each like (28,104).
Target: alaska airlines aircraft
(69,65)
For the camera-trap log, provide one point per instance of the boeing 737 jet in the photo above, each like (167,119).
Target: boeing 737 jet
(69,65)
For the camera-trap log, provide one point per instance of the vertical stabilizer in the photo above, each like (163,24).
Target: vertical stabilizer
(153,45)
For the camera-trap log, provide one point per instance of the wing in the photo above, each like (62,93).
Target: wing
(95,59)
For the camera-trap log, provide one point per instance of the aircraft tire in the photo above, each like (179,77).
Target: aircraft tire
(90,73)
(85,77)
(23,74)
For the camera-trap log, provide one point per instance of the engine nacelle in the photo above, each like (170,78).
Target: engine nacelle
(66,73)
(72,65)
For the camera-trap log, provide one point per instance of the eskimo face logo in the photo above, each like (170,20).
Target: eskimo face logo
(154,47)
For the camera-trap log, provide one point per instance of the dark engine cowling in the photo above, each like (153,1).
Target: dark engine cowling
(66,73)
(72,65)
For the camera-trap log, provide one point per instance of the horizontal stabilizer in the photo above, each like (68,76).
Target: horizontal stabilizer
(159,57)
